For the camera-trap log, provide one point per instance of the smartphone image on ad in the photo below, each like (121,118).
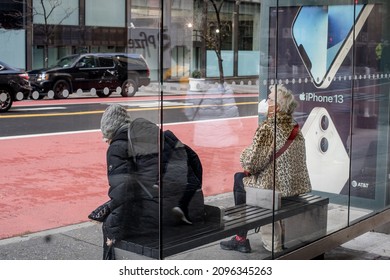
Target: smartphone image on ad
(323,36)
(326,157)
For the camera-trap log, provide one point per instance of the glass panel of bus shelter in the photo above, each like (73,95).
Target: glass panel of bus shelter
(330,54)
(72,142)
(215,117)
(312,49)
(369,189)
(144,39)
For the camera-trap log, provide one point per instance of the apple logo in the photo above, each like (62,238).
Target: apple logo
(302,96)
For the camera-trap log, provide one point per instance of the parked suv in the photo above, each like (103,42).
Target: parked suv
(14,85)
(103,72)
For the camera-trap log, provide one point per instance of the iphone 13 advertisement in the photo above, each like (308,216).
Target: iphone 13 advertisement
(328,46)
(324,35)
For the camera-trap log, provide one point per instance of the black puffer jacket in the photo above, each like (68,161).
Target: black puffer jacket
(128,215)
(138,200)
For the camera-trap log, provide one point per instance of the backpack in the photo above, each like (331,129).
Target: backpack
(180,169)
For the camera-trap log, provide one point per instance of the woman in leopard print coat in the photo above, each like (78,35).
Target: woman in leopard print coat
(291,176)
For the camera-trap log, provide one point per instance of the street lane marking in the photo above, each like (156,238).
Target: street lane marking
(49,134)
(144,104)
(40,108)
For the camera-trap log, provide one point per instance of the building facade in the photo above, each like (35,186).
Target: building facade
(98,26)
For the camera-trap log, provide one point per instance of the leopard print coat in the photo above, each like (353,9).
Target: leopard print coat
(291,176)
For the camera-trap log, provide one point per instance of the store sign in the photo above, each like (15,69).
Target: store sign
(143,41)
(147,39)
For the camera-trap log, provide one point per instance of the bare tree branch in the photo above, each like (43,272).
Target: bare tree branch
(44,9)
(213,37)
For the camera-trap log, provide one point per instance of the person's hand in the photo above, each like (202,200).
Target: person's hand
(110,242)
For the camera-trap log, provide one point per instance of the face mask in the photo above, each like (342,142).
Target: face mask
(263,107)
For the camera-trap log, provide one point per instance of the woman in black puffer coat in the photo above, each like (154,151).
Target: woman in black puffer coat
(128,214)
(135,193)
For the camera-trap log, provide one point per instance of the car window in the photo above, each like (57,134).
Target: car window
(131,61)
(105,61)
(65,61)
(87,62)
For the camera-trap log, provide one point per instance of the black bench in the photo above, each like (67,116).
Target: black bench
(221,223)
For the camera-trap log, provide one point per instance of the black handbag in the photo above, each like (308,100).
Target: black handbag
(100,213)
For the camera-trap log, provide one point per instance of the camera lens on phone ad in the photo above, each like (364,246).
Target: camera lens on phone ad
(324,145)
(324,123)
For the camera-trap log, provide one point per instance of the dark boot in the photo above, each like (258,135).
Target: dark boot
(181,215)
(181,211)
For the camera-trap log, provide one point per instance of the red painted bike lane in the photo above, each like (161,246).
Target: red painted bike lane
(51,181)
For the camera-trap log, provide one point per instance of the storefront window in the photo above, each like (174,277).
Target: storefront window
(10,15)
(55,12)
(248,39)
(218,38)
(13,53)
(103,13)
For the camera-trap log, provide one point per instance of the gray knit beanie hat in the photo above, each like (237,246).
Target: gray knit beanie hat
(113,118)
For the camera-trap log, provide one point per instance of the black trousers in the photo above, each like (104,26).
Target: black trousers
(239,195)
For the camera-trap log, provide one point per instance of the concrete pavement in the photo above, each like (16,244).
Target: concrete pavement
(83,242)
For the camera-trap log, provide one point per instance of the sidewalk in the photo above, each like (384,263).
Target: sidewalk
(84,242)
(175,88)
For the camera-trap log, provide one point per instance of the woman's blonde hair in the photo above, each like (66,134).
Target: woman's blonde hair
(285,99)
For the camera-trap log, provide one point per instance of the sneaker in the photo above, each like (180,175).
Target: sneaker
(233,244)
(180,215)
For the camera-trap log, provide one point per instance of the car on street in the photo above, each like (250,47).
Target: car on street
(103,73)
(14,85)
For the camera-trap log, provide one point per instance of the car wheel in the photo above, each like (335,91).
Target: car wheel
(5,100)
(129,88)
(61,89)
